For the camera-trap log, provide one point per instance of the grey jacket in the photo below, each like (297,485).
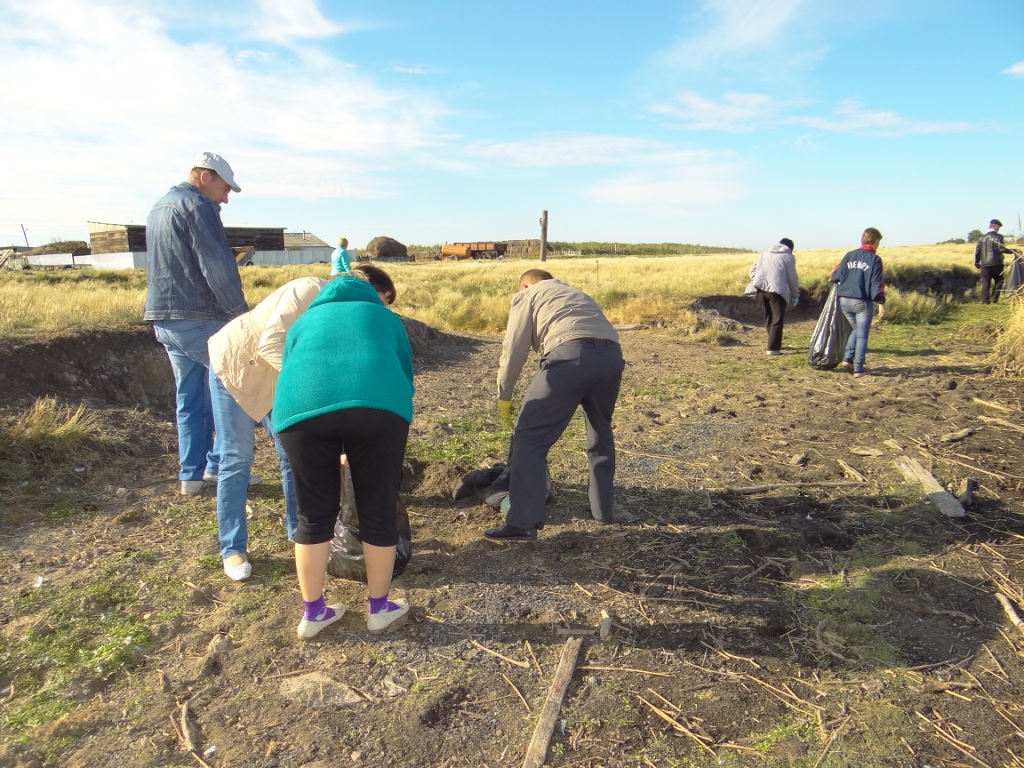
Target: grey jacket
(543,316)
(775,271)
(191,269)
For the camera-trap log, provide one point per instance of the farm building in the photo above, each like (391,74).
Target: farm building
(123,246)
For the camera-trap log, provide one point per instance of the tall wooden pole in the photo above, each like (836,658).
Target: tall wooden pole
(543,235)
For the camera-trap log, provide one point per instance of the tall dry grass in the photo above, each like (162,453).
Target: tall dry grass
(467,296)
(1008,354)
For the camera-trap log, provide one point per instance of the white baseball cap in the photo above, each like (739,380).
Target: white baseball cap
(218,165)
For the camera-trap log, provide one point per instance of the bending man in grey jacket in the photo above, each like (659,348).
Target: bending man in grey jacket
(774,276)
(580,365)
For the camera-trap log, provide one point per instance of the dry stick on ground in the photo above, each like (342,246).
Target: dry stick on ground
(851,472)
(997,406)
(523,664)
(776,486)
(1002,423)
(538,748)
(513,686)
(963,747)
(1010,611)
(677,725)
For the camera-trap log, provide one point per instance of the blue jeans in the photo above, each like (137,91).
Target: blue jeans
(858,314)
(236,431)
(185,342)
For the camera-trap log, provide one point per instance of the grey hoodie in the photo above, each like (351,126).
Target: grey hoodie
(775,271)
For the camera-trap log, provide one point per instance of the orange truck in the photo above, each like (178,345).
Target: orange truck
(459,251)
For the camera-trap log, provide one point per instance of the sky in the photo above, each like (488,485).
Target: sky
(716,122)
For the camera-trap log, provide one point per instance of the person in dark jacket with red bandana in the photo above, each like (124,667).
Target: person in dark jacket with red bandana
(860,286)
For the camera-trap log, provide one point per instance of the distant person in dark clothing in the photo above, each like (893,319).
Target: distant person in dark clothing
(861,285)
(988,259)
(774,277)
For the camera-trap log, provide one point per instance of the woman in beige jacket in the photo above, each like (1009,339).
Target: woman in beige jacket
(245,359)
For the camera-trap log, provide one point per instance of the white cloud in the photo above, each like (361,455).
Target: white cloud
(568,149)
(292,21)
(747,112)
(673,182)
(733,112)
(740,28)
(1017,70)
(638,171)
(852,117)
(122,110)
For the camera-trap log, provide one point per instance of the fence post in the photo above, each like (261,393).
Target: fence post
(543,235)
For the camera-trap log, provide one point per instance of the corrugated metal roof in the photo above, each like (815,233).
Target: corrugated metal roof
(303,240)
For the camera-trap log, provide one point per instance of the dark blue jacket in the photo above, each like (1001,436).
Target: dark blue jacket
(859,276)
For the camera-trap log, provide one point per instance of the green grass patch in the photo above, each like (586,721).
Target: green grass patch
(470,438)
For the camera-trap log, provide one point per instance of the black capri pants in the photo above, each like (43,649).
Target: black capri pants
(374,441)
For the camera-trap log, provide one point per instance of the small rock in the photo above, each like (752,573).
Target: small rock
(799,460)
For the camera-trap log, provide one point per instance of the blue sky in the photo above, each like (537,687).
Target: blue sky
(720,122)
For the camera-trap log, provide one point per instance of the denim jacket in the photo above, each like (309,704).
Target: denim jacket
(191,269)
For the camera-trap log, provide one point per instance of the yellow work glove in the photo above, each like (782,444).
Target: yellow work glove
(505,409)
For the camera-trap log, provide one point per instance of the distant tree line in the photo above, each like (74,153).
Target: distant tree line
(592,248)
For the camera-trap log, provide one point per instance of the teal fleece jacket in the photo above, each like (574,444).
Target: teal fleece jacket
(346,351)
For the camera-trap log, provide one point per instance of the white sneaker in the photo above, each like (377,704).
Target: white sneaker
(310,628)
(387,620)
(239,572)
(253,479)
(191,487)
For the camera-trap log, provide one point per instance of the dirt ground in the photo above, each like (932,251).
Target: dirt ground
(831,618)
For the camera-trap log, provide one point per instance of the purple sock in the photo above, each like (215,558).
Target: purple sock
(381,604)
(316,610)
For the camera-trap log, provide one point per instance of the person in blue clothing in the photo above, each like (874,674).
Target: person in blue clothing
(192,290)
(860,285)
(346,387)
(340,259)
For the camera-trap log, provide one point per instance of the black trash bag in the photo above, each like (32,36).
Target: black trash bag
(1013,286)
(346,559)
(828,342)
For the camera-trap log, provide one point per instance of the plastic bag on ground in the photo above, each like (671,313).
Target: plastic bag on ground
(346,558)
(828,342)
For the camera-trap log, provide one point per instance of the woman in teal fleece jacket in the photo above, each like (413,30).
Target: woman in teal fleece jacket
(346,387)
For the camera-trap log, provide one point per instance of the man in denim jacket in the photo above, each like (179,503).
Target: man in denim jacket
(193,289)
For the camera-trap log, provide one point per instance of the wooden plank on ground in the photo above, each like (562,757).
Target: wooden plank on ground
(538,748)
(937,495)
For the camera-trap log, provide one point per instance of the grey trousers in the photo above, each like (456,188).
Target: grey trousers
(573,374)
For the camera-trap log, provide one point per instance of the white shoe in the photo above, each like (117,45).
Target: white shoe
(386,620)
(253,479)
(191,487)
(239,572)
(310,628)
(773,352)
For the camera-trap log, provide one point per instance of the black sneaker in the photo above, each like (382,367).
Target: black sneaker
(511,533)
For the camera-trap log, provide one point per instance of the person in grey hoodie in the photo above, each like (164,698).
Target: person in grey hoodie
(773,279)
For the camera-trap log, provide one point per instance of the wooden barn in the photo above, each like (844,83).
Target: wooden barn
(123,246)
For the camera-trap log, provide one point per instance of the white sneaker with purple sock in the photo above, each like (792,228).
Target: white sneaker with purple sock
(318,617)
(392,616)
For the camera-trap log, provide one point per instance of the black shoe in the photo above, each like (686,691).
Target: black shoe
(511,533)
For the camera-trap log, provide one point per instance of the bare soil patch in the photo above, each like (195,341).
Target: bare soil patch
(808,624)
